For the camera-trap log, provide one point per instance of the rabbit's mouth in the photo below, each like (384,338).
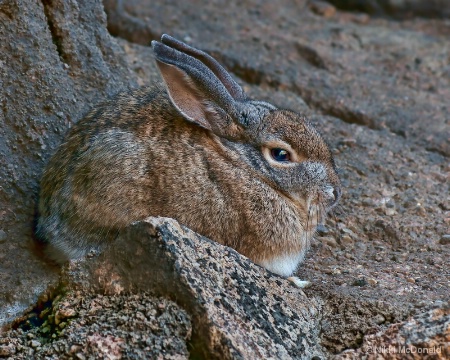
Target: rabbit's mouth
(312,211)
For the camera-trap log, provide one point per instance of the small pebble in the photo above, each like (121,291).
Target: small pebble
(322,230)
(372,281)
(367,202)
(410,202)
(80,356)
(336,272)
(322,8)
(75,348)
(346,240)
(66,313)
(360,282)
(35,343)
(411,280)
(445,239)
(7,350)
(379,319)
(390,211)
(390,204)
(328,240)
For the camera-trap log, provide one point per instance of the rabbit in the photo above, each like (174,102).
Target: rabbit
(195,148)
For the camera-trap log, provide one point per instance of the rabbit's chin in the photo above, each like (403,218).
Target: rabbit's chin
(284,265)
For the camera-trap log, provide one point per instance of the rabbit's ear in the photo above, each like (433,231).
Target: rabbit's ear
(194,88)
(227,80)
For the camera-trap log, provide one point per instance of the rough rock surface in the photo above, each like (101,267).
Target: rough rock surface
(93,326)
(238,309)
(426,336)
(378,90)
(397,8)
(373,74)
(56,61)
(226,308)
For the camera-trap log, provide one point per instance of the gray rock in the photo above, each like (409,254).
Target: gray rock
(374,74)
(226,307)
(238,309)
(57,60)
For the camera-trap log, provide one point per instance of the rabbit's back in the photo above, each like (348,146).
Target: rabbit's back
(125,164)
(102,176)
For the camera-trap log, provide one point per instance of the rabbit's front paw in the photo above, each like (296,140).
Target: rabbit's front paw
(302,284)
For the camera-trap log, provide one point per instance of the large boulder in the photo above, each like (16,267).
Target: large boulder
(56,60)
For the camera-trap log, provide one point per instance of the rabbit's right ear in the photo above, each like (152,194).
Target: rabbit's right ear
(194,88)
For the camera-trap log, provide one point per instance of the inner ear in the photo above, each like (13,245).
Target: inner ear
(184,94)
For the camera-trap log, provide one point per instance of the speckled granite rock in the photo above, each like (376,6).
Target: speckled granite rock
(93,326)
(206,302)
(238,309)
(425,336)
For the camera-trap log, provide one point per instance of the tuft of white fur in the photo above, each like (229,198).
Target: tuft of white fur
(284,265)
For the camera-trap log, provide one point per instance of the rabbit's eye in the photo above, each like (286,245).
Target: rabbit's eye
(279,154)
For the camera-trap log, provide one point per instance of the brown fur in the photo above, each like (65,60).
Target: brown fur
(136,156)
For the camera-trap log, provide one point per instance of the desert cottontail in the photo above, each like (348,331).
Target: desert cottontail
(241,172)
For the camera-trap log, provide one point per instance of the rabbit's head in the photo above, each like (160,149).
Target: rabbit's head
(279,147)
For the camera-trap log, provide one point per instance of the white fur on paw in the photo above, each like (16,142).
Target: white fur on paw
(302,284)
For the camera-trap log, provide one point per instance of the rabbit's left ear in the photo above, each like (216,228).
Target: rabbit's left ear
(195,90)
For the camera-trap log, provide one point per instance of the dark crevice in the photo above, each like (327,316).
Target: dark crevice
(40,314)
(126,26)
(259,77)
(346,115)
(56,38)
(247,74)
(311,56)
(399,10)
